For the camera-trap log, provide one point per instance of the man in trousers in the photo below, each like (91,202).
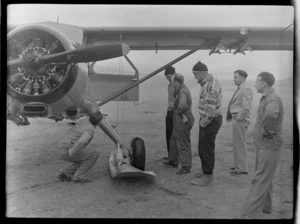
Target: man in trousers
(209,108)
(183,121)
(239,114)
(169,72)
(268,141)
(75,149)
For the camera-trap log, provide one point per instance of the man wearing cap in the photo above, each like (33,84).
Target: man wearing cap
(183,121)
(239,114)
(75,149)
(268,142)
(169,72)
(210,122)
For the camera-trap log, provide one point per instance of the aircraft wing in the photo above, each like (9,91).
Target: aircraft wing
(185,38)
(181,38)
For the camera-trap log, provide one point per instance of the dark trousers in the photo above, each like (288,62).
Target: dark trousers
(169,128)
(206,144)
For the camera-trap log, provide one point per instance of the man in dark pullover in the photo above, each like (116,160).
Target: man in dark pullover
(183,121)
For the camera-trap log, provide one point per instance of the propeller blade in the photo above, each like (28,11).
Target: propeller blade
(88,54)
(80,55)
(16,63)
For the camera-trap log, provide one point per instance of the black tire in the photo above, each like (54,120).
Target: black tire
(138,153)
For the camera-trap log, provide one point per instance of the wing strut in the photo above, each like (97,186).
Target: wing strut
(150,75)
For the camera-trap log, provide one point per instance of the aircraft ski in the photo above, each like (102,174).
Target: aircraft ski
(124,162)
(120,165)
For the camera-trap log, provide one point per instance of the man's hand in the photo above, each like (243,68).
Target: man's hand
(265,131)
(82,142)
(184,119)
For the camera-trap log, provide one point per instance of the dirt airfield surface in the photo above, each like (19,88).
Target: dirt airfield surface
(32,161)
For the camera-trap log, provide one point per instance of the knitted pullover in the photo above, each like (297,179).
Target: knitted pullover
(210,100)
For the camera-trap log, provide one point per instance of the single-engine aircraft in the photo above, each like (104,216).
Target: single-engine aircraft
(50,70)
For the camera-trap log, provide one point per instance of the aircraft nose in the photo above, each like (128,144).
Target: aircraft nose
(125,49)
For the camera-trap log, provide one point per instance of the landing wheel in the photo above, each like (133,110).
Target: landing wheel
(138,153)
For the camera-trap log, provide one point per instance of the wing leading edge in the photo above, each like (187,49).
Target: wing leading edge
(183,38)
(171,38)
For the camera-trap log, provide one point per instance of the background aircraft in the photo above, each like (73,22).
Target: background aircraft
(50,73)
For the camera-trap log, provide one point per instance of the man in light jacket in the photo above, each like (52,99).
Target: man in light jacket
(268,141)
(74,147)
(239,114)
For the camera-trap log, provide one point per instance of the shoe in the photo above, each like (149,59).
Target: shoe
(238,172)
(63,177)
(244,216)
(82,180)
(183,171)
(267,211)
(203,181)
(166,158)
(171,163)
(232,168)
(199,174)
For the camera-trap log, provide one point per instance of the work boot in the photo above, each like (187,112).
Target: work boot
(82,180)
(267,211)
(199,174)
(203,181)
(63,177)
(171,163)
(244,216)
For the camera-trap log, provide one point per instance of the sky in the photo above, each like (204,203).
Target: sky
(280,63)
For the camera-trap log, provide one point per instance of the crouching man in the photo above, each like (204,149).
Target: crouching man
(75,149)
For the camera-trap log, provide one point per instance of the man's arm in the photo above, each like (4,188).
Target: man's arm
(270,115)
(83,141)
(247,97)
(208,108)
(171,97)
(182,104)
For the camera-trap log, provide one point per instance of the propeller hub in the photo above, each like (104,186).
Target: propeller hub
(28,56)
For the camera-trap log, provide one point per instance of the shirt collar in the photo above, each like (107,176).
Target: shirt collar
(242,85)
(268,93)
(206,79)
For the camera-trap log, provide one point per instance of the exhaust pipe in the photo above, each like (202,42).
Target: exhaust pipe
(35,109)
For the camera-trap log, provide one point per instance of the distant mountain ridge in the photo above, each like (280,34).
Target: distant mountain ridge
(286,82)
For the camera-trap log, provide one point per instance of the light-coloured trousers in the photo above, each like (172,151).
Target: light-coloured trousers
(81,164)
(180,143)
(261,192)
(239,145)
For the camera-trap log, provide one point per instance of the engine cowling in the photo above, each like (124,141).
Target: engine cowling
(46,83)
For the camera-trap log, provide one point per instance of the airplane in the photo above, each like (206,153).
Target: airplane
(50,70)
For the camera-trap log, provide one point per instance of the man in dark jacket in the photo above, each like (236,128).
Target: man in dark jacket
(169,72)
(183,121)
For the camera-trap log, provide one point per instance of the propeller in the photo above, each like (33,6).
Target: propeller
(80,55)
